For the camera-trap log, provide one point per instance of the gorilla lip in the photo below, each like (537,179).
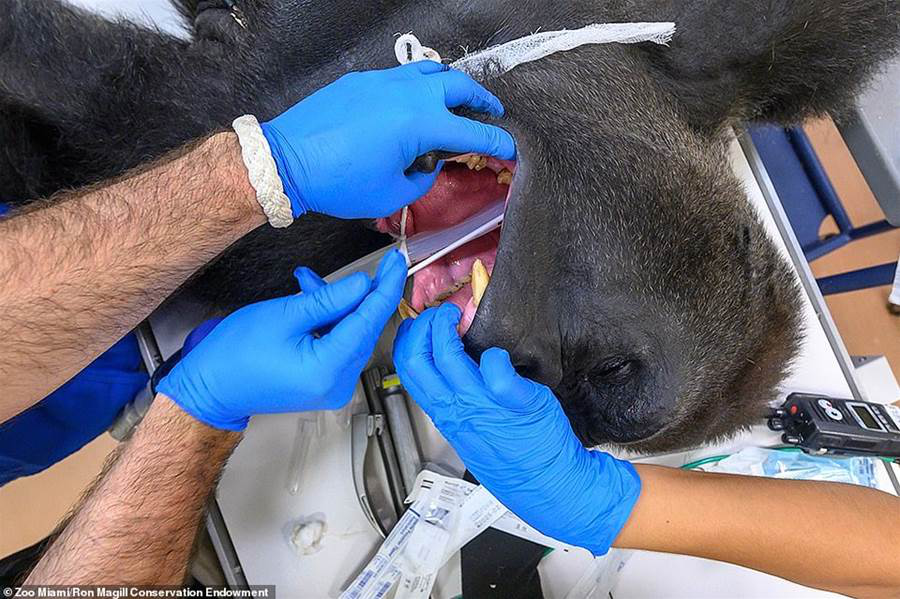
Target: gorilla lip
(466,185)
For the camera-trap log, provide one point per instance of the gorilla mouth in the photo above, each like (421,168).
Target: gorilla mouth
(465,186)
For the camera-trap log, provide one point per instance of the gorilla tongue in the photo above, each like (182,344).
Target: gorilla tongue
(461,191)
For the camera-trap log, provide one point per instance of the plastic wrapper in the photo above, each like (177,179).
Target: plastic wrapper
(757,461)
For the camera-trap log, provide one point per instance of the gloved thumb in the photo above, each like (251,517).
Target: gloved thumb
(329,303)
(466,135)
(508,388)
(309,281)
(421,183)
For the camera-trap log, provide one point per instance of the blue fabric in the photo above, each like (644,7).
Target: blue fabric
(73,415)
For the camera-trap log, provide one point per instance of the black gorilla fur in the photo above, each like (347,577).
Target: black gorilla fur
(633,276)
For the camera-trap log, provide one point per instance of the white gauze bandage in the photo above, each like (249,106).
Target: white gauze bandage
(505,57)
(263,172)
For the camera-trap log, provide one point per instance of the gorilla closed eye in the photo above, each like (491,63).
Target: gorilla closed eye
(617,370)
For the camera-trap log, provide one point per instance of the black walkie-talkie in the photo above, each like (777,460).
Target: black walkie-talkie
(824,425)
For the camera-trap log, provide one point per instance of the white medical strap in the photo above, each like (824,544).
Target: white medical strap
(503,58)
(262,172)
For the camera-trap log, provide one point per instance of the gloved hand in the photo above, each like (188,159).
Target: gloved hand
(513,435)
(267,358)
(344,150)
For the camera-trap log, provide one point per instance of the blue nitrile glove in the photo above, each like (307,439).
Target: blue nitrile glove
(274,357)
(513,435)
(344,150)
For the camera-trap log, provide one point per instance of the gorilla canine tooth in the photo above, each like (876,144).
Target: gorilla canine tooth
(504,177)
(480,280)
(406,311)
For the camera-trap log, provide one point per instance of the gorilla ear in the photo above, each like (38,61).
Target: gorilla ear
(779,60)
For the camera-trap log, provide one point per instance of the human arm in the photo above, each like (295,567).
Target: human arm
(80,272)
(514,437)
(293,354)
(138,524)
(850,534)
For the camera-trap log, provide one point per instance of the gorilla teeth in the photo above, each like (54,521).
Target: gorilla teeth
(476,162)
(505,177)
(446,295)
(406,311)
(480,280)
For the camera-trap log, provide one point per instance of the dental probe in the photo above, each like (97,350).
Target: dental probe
(483,223)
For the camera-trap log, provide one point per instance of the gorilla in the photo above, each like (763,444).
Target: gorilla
(631,275)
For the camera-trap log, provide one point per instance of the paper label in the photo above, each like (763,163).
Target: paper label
(446,513)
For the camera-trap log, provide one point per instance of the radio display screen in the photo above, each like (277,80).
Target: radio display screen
(866,417)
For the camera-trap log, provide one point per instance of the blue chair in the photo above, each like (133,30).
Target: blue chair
(808,199)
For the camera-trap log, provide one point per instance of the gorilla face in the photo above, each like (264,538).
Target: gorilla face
(630,275)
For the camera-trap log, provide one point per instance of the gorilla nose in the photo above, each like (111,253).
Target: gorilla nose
(538,368)
(535,354)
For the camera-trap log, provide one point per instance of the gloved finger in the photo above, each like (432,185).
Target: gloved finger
(199,334)
(425,67)
(361,328)
(411,386)
(457,368)
(308,280)
(460,90)
(330,303)
(508,388)
(392,268)
(414,360)
(464,135)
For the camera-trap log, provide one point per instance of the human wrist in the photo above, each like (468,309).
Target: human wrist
(289,168)
(236,197)
(167,413)
(200,406)
(615,495)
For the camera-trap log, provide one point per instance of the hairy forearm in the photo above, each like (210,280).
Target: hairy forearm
(733,519)
(82,270)
(139,522)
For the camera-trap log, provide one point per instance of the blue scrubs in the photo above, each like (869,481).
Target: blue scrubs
(74,415)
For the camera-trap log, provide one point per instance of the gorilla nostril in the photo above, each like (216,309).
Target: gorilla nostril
(474,347)
(529,368)
(535,354)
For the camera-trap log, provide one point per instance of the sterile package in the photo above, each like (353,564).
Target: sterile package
(773,463)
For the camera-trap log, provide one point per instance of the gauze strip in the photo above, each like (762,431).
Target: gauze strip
(505,57)
(263,172)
